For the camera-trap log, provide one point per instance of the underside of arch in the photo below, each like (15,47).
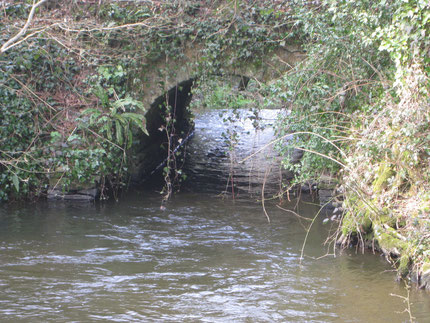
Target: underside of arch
(169,111)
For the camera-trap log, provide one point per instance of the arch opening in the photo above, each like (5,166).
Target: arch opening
(222,108)
(168,122)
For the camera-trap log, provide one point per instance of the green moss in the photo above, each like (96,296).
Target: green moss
(353,222)
(349,225)
(384,218)
(403,267)
(367,225)
(382,175)
(389,240)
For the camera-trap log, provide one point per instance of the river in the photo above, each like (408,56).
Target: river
(202,258)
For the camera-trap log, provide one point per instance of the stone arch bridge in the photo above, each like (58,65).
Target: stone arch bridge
(170,81)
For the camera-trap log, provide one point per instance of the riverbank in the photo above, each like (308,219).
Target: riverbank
(360,108)
(387,194)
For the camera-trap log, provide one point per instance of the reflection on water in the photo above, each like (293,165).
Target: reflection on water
(212,157)
(201,260)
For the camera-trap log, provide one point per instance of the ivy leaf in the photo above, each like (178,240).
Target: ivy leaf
(55,136)
(73,138)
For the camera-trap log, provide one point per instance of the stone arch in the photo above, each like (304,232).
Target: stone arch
(171,81)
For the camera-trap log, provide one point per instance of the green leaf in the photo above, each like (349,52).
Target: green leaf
(138,120)
(121,119)
(73,137)
(102,95)
(108,128)
(90,111)
(119,137)
(130,139)
(122,103)
(55,136)
(15,181)
(119,72)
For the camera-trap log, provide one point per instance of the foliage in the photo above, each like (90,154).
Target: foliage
(361,99)
(222,93)
(390,156)
(48,136)
(336,80)
(27,116)
(406,38)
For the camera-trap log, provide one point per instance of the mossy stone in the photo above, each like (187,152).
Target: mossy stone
(388,241)
(403,268)
(382,175)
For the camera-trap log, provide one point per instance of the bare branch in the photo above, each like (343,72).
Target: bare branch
(13,41)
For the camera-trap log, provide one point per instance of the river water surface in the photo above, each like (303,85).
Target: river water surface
(202,258)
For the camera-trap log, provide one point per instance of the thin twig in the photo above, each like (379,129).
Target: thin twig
(262,194)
